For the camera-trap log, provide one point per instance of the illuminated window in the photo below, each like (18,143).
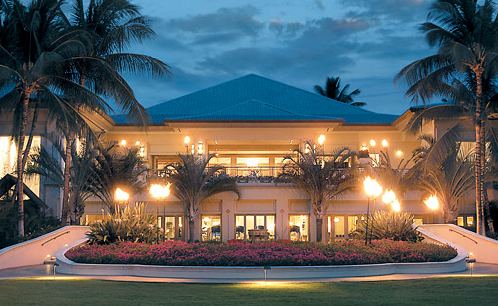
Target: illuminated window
(375,157)
(299,227)
(8,161)
(244,224)
(339,225)
(460,221)
(352,223)
(211,228)
(470,221)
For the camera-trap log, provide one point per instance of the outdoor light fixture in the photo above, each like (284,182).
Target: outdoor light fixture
(120,195)
(399,153)
(373,143)
(388,197)
(321,139)
(123,142)
(432,202)
(372,189)
(186,140)
(137,143)
(396,206)
(159,191)
(200,148)
(384,143)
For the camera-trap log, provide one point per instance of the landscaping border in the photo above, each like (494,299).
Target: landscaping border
(67,266)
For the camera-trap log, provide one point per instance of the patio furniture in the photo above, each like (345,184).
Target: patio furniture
(259,235)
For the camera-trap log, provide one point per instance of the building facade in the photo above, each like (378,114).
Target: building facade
(250,124)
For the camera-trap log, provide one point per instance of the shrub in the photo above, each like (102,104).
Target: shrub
(128,224)
(388,225)
(238,253)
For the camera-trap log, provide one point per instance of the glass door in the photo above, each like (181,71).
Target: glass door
(246,224)
(172,227)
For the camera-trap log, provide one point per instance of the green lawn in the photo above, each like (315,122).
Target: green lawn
(444,291)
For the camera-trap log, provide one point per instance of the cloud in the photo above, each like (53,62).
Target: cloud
(319,4)
(239,20)
(389,11)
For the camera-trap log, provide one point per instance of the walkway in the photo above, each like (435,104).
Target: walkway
(45,272)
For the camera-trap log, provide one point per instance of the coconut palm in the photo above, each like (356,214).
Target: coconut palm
(463,69)
(322,177)
(193,182)
(110,26)
(333,91)
(35,51)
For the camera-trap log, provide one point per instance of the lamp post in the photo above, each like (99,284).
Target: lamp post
(161,192)
(372,189)
(120,196)
(432,202)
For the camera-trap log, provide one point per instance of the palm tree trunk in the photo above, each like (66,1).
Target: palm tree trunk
(191,228)
(20,168)
(319,226)
(67,175)
(31,136)
(478,153)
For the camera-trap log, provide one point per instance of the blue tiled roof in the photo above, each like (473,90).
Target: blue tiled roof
(256,98)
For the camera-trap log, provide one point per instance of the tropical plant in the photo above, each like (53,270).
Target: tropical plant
(332,90)
(448,174)
(131,223)
(97,170)
(111,26)
(389,225)
(322,177)
(35,52)
(194,181)
(463,70)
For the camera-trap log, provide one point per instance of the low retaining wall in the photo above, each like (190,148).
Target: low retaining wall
(39,249)
(67,266)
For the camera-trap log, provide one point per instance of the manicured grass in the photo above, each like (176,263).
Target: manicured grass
(444,291)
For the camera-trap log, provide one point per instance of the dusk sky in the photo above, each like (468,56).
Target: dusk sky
(298,42)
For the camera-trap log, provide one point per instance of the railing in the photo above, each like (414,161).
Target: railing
(53,238)
(463,235)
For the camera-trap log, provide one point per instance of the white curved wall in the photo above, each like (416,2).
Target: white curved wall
(37,250)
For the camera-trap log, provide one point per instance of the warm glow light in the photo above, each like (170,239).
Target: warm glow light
(200,148)
(186,140)
(432,202)
(137,143)
(336,220)
(271,227)
(384,143)
(121,195)
(388,197)
(396,206)
(372,187)
(123,142)
(321,139)
(399,153)
(159,191)
(252,162)
(373,143)
(363,147)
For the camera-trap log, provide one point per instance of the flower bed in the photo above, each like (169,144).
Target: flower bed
(282,253)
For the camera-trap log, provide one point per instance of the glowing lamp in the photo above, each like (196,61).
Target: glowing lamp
(396,206)
(432,202)
(321,139)
(186,140)
(388,197)
(399,153)
(159,191)
(372,187)
(373,143)
(123,142)
(121,195)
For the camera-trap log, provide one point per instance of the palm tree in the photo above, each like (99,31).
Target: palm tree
(448,175)
(111,26)
(193,182)
(333,91)
(463,69)
(34,55)
(322,177)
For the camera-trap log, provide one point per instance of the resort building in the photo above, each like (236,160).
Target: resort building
(251,124)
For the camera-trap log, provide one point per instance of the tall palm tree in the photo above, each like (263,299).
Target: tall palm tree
(111,26)
(193,182)
(322,177)
(463,69)
(34,55)
(333,91)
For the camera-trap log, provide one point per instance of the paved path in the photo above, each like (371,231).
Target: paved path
(46,272)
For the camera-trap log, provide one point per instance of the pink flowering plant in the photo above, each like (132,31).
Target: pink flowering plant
(279,253)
